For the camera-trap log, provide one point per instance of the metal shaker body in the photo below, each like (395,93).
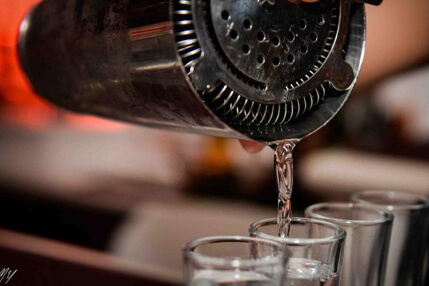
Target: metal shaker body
(176,64)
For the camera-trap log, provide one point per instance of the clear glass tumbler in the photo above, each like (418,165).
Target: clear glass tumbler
(234,261)
(367,243)
(315,249)
(409,240)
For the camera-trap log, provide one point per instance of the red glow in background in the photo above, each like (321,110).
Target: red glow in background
(18,103)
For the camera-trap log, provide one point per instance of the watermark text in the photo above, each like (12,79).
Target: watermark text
(6,274)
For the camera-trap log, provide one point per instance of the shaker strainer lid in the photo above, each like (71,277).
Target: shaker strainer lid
(274,45)
(261,64)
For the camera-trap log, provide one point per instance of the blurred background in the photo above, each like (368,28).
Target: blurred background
(105,194)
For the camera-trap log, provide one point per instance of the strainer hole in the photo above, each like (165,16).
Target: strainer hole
(260,36)
(313,37)
(247,24)
(290,36)
(276,61)
(321,20)
(291,59)
(302,24)
(304,49)
(276,41)
(260,59)
(233,34)
(225,15)
(246,49)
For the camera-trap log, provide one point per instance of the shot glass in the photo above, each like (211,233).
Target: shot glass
(315,249)
(367,243)
(409,240)
(234,261)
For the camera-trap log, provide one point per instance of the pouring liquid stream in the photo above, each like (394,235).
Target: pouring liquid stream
(284,174)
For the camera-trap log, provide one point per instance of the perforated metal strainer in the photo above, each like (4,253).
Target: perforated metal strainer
(267,70)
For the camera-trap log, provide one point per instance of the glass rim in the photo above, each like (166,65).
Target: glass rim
(385,216)
(390,195)
(253,230)
(188,251)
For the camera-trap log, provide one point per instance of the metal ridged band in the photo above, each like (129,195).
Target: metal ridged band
(188,46)
(236,109)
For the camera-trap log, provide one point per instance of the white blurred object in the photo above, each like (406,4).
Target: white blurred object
(71,161)
(67,161)
(155,232)
(407,97)
(335,174)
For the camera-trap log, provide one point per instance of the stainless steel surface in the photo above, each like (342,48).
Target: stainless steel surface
(115,59)
(264,70)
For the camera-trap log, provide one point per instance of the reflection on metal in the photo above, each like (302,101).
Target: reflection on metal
(143,33)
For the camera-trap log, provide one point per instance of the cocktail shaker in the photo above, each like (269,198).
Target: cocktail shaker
(266,70)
